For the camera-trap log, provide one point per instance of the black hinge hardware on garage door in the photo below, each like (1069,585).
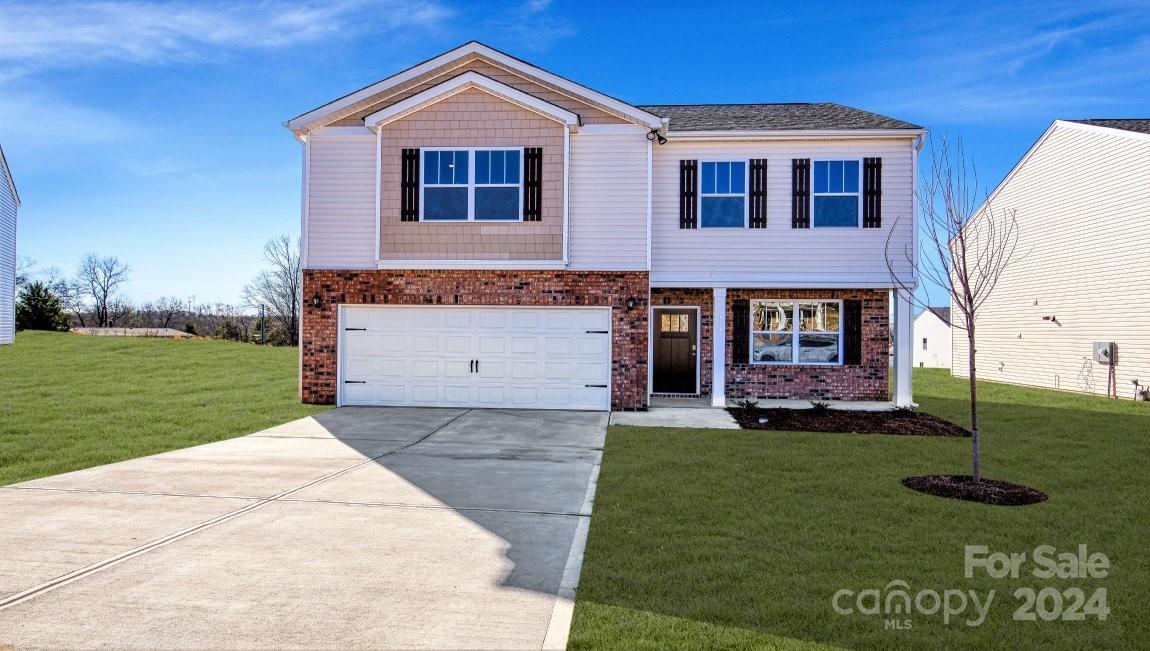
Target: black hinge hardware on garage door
(355,329)
(597,332)
(801,193)
(758,193)
(852,332)
(355,381)
(409,186)
(872,193)
(688,193)
(741,325)
(533,184)
(595,386)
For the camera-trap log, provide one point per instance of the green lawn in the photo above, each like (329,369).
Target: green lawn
(739,539)
(69,401)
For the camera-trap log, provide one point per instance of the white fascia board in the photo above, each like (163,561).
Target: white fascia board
(796,134)
(471,264)
(466,81)
(466,50)
(664,280)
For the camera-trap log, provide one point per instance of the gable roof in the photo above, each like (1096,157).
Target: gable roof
(1137,125)
(772,117)
(942,313)
(468,49)
(8,176)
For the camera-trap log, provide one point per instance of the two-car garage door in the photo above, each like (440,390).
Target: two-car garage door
(522,357)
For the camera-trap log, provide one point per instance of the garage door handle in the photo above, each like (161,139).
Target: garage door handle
(595,386)
(355,329)
(597,332)
(476,366)
(355,381)
(472,366)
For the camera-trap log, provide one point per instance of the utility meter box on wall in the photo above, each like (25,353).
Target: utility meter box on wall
(1104,352)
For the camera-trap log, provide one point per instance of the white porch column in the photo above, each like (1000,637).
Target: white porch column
(719,346)
(903,350)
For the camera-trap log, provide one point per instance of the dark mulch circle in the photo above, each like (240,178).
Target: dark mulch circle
(987,491)
(900,423)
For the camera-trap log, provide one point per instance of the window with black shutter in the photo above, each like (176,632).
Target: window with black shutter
(741,325)
(852,332)
(801,193)
(533,184)
(758,208)
(409,186)
(872,193)
(688,193)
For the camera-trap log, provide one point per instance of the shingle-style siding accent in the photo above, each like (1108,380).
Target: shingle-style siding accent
(341,201)
(866,381)
(353,115)
(472,118)
(473,287)
(7,260)
(608,204)
(704,300)
(778,253)
(1082,200)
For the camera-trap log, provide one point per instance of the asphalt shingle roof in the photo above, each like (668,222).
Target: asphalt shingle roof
(769,117)
(1137,125)
(941,312)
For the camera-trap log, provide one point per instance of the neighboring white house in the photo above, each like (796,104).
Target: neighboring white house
(932,338)
(9,202)
(1082,199)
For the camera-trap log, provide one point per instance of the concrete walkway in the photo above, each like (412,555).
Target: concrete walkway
(358,528)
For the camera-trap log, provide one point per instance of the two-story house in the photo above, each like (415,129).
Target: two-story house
(481,232)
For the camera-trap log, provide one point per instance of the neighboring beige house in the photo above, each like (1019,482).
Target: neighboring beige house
(480,232)
(932,338)
(9,202)
(1082,196)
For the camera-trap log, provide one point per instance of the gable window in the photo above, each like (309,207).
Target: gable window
(472,185)
(835,193)
(796,332)
(723,194)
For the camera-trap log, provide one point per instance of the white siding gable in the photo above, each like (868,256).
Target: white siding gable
(931,341)
(780,256)
(340,200)
(608,201)
(7,258)
(1082,199)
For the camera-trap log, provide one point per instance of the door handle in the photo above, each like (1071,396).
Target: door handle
(476,366)
(471,366)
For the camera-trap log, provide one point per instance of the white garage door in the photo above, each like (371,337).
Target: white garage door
(528,358)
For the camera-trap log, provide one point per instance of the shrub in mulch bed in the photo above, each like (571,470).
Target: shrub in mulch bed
(898,422)
(987,491)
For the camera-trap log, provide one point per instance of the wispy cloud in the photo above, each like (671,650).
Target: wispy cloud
(533,26)
(39,35)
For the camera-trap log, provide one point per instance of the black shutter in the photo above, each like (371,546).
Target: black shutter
(872,193)
(801,193)
(852,332)
(533,184)
(759,193)
(741,327)
(688,194)
(409,186)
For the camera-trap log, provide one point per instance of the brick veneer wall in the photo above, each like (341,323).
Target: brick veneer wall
(475,287)
(866,381)
(704,300)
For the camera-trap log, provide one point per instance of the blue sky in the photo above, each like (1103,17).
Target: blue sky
(152,131)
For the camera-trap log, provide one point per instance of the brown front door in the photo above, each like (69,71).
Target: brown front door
(675,350)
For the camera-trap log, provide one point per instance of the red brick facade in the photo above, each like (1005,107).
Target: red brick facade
(477,287)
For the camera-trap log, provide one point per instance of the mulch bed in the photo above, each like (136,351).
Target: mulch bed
(987,491)
(900,423)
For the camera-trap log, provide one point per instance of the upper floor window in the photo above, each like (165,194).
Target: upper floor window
(723,194)
(472,185)
(835,193)
(796,332)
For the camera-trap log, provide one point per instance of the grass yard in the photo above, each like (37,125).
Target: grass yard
(69,401)
(739,539)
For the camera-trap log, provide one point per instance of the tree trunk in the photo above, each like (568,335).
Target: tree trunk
(976,465)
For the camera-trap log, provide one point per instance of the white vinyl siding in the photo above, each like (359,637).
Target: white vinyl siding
(7,260)
(1083,205)
(608,201)
(341,202)
(779,255)
(936,352)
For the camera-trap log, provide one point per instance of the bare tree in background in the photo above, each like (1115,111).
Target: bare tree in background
(967,246)
(99,279)
(25,270)
(278,289)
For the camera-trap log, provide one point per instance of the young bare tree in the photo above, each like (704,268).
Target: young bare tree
(99,279)
(967,245)
(278,289)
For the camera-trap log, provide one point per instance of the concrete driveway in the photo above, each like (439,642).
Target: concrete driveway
(360,527)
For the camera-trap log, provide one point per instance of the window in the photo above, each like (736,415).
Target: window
(835,190)
(924,343)
(796,332)
(674,323)
(472,184)
(723,194)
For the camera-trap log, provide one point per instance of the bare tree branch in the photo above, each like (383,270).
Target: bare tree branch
(278,289)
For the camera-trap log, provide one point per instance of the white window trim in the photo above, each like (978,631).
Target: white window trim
(471,185)
(859,194)
(746,195)
(795,332)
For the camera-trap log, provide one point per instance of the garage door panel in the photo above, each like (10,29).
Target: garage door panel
(528,357)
